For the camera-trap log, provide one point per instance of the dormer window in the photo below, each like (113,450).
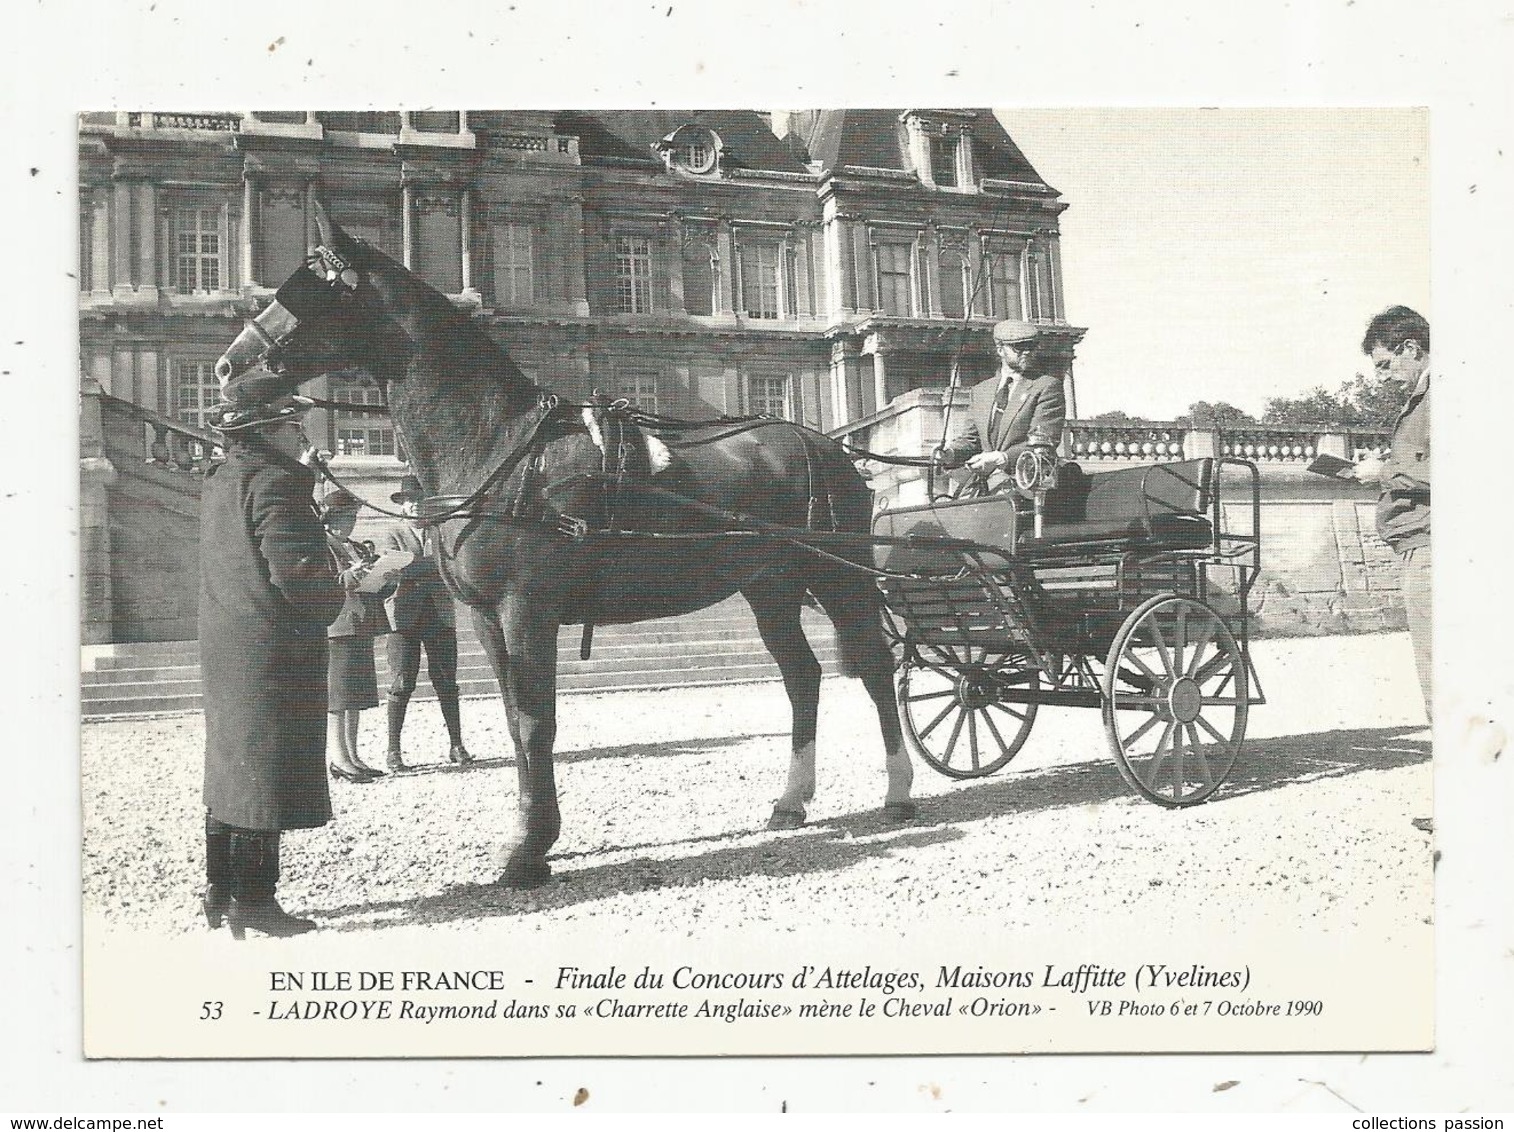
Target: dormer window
(691,149)
(943,159)
(940,147)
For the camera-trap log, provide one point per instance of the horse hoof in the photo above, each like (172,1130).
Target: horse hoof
(900,813)
(530,874)
(786,819)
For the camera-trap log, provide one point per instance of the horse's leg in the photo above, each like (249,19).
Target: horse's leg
(852,605)
(523,685)
(775,604)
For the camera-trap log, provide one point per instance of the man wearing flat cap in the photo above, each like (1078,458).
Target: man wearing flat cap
(423,618)
(268,590)
(1023,407)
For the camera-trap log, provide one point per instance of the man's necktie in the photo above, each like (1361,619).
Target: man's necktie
(1001,402)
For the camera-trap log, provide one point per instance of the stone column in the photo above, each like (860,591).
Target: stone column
(96,475)
(124,217)
(572,238)
(674,243)
(880,381)
(726,252)
(930,264)
(249,231)
(465,227)
(407,226)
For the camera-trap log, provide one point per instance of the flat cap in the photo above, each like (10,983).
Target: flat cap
(1012,330)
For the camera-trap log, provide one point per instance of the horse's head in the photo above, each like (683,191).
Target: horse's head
(320,319)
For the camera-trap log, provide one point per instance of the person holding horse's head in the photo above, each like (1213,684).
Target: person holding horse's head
(1022,407)
(421,613)
(268,590)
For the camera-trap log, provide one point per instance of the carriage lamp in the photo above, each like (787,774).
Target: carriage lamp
(1035,474)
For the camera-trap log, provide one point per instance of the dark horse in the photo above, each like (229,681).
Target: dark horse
(504,469)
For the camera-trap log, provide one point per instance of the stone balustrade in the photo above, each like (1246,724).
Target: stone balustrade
(1145,440)
(1270,445)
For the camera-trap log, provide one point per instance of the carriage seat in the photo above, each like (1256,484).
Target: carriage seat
(1159,504)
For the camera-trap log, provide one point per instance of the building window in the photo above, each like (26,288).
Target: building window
(633,274)
(943,160)
(893,265)
(195,389)
(1003,267)
(699,280)
(513,284)
(640,388)
(198,250)
(1043,304)
(760,265)
(768,396)
(361,434)
(953,285)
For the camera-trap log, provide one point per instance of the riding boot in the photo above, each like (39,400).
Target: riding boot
(218,871)
(255,861)
(395,760)
(456,752)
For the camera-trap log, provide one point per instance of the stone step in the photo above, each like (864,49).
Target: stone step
(711,646)
(604,654)
(185,695)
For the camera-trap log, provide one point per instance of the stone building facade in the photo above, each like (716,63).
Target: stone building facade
(811,265)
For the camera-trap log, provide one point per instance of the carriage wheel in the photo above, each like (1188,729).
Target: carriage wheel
(952,708)
(1175,699)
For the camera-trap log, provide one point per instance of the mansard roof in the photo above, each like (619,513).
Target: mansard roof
(746,140)
(875,139)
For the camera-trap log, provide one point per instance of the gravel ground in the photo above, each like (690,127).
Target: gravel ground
(664,796)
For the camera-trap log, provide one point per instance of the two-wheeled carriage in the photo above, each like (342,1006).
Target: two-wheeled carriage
(1112,594)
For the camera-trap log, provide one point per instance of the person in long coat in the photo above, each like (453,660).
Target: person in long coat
(268,590)
(1023,407)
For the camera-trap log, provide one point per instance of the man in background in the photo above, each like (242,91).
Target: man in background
(1398,342)
(420,610)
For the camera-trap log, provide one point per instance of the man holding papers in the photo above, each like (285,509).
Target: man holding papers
(1398,342)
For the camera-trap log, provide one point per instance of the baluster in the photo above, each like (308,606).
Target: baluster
(159,447)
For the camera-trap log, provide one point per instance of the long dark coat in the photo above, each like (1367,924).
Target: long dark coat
(267,592)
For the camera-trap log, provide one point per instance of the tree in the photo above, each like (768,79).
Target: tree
(1115,416)
(1360,404)
(1219,414)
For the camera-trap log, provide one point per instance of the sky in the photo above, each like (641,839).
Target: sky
(1230,255)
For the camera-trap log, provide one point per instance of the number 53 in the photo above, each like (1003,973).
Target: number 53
(210,1011)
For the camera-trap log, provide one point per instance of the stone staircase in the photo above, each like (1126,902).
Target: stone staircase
(712,646)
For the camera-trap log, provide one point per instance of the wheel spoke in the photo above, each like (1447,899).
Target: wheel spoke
(1182,638)
(1141,730)
(988,721)
(1161,644)
(1008,710)
(1202,646)
(914,699)
(1122,700)
(1134,659)
(972,738)
(1209,727)
(931,726)
(1159,756)
(1177,763)
(1222,701)
(951,744)
(1197,748)
(1212,668)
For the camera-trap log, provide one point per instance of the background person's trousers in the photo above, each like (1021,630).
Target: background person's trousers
(1417,605)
